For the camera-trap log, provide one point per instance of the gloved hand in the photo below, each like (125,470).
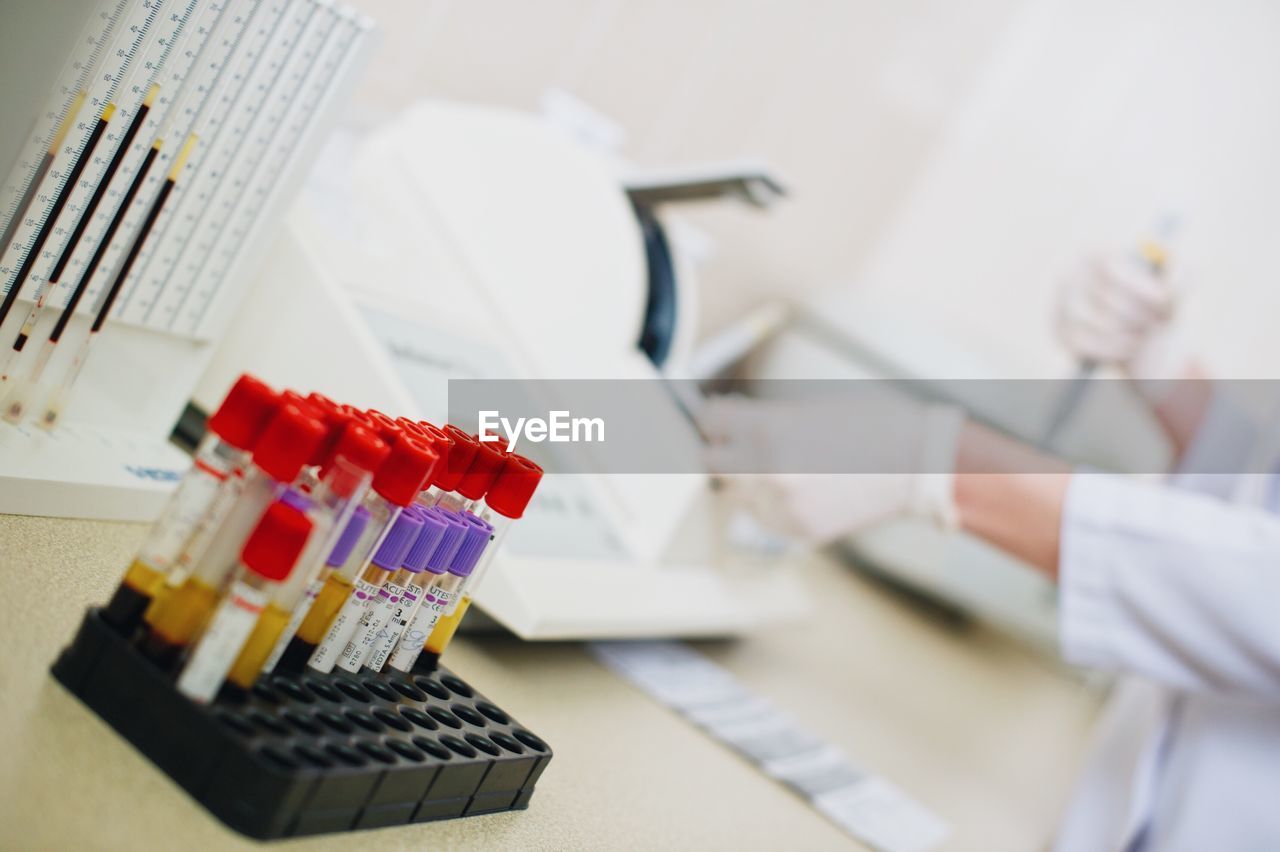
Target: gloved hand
(770,457)
(1117,310)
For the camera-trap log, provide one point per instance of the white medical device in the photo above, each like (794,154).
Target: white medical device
(473,242)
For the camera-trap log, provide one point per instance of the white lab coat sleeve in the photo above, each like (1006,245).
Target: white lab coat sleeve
(1172,585)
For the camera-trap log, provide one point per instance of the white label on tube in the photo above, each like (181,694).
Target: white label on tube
(295,621)
(390,633)
(190,503)
(343,627)
(209,527)
(450,599)
(374,619)
(218,648)
(434,601)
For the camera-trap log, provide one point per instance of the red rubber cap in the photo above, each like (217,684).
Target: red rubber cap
(386,427)
(412,427)
(277,542)
(406,471)
(361,451)
(493,439)
(357,414)
(514,487)
(245,411)
(442,444)
(308,407)
(288,442)
(434,431)
(482,472)
(460,455)
(336,421)
(322,402)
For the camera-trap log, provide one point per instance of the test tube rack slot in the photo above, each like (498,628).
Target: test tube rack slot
(311,754)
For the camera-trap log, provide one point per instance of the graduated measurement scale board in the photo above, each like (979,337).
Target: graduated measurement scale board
(244,82)
(142,197)
(866,806)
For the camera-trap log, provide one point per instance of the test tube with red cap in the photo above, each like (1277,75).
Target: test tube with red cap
(222,453)
(279,455)
(395,485)
(387,559)
(504,503)
(299,651)
(335,421)
(268,558)
(445,590)
(455,458)
(282,455)
(385,424)
(344,476)
(440,442)
(480,475)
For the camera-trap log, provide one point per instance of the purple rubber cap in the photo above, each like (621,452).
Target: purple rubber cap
(347,541)
(398,541)
(296,499)
(473,543)
(455,527)
(433,529)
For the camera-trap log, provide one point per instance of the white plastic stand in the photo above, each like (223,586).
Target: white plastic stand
(81,472)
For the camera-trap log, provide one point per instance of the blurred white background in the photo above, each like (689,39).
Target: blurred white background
(947,160)
(845,99)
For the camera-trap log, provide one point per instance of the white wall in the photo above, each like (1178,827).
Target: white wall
(843,97)
(1090,121)
(947,159)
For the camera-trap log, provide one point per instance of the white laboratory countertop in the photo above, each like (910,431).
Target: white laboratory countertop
(979,730)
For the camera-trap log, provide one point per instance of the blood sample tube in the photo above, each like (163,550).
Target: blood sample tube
(398,597)
(388,558)
(268,557)
(278,456)
(504,504)
(344,478)
(481,473)
(385,425)
(441,534)
(223,452)
(298,652)
(420,620)
(462,451)
(395,485)
(443,592)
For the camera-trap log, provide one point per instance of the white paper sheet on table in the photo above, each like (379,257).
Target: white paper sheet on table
(868,807)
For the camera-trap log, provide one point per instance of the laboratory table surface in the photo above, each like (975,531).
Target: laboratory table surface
(980,730)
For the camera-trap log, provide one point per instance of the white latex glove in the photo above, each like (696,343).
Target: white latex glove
(910,447)
(1116,310)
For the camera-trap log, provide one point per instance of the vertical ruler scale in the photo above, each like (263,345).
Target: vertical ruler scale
(66,188)
(134,96)
(337,52)
(182,88)
(170,83)
(51,127)
(169,143)
(231,160)
(163,81)
(254,24)
(262,136)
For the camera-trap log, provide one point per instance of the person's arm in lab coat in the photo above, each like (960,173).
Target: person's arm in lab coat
(1177,586)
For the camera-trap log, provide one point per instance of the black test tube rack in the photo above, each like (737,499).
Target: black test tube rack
(309,753)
